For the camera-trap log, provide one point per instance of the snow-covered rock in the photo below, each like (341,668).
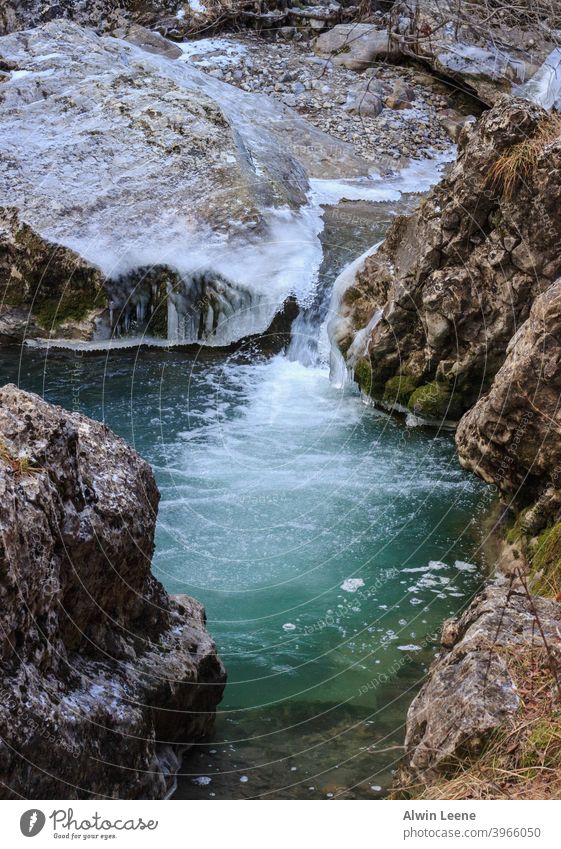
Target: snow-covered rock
(142,164)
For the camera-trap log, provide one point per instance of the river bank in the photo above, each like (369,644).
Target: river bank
(215,186)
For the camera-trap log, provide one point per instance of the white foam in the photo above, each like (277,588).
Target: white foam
(351,585)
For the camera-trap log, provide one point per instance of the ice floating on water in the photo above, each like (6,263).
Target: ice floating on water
(202,780)
(289,626)
(411,647)
(464,567)
(351,585)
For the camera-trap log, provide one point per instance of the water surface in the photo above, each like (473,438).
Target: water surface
(327,541)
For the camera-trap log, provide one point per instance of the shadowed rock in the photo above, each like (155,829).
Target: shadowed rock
(104,676)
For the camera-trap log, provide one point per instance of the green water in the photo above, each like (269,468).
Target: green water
(327,541)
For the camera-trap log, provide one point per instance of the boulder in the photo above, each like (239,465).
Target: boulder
(149,163)
(364,102)
(510,438)
(45,289)
(105,678)
(355,46)
(486,55)
(469,689)
(150,41)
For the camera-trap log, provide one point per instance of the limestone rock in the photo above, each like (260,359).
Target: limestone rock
(487,55)
(135,160)
(103,675)
(355,46)
(44,288)
(103,14)
(456,279)
(469,690)
(511,436)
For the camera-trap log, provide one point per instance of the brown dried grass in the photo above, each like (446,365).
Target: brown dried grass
(516,166)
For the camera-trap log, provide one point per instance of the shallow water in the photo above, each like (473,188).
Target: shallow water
(327,541)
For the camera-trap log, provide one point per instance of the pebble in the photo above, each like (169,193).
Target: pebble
(286,69)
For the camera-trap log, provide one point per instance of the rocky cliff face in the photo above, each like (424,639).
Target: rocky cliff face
(24,14)
(511,436)
(104,676)
(455,281)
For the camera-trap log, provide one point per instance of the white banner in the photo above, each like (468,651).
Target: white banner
(270,824)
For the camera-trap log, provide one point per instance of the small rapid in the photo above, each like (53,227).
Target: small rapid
(327,541)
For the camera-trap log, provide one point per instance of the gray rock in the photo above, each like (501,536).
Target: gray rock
(364,103)
(467,45)
(15,15)
(469,690)
(355,46)
(104,675)
(152,42)
(290,100)
(144,153)
(510,437)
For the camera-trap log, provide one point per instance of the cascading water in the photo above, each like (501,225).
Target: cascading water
(326,541)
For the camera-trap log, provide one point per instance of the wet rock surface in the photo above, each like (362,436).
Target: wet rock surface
(456,280)
(218,137)
(44,286)
(172,167)
(104,676)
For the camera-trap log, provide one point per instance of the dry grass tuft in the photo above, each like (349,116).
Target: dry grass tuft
(21,466)
(521,759)
(517,165)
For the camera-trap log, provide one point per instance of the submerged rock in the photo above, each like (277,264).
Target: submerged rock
(455,280)
(104,676)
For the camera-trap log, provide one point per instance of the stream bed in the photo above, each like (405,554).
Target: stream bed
(327,541)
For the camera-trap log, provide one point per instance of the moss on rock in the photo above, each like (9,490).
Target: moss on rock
(435,401)
(399,389)
(369,382)
(72,306)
